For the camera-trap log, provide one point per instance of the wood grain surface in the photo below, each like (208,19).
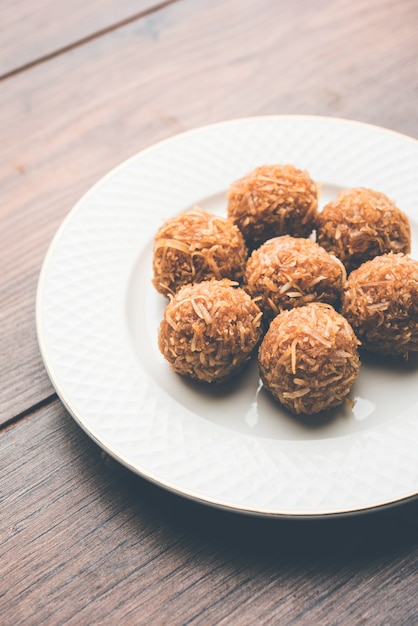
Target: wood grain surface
(84,85)
(85,542)
(31,33)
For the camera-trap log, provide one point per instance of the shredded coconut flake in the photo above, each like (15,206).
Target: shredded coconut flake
(196,245)
(309,358)
(289,271)
(209,330)
(381,303)
(360,224)
(273,200)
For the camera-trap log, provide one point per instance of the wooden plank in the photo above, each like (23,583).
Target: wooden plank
(30,30)
(84,541)
(68,121)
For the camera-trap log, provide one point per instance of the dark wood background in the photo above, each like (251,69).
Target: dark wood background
(83,85)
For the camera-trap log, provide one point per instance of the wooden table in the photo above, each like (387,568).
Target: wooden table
(83,85)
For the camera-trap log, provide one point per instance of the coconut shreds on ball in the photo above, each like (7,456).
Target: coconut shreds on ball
(209,330)
(287,272)
(381,303)
(309,358)
(196,245)
(273,200)
(360,224)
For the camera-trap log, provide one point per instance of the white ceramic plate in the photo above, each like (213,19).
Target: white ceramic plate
(232,447)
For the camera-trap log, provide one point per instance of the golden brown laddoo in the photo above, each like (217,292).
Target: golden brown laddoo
(209,330)
(287,272)
(309,358)
(273,200)
(381,303)
(360,224)
(197,245)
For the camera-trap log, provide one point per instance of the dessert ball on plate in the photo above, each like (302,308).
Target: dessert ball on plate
(196,245)
(360,224)
(273,200)
(287,272)
(309,358)
(209,330)
(381,303)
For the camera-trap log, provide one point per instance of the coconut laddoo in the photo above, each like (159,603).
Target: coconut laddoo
(309,358)
(273,200)
(381,303)
(287,272)
(360,224)
(196,245)
(209,330)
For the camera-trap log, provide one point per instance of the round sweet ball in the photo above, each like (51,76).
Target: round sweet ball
(381,303)
(273,200)
(196,245)
(360,224)
(309,358)
(209,330)
(287,272)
